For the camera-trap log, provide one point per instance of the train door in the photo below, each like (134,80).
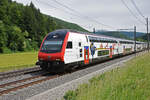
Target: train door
(111,52)
(86,54)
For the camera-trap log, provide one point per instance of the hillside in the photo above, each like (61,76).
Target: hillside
(144,37)
(67,25)
(22,28)
(131,34)
(123,34)
(113,34)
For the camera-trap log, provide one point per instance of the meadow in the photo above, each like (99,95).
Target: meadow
(17,60)
(130,82)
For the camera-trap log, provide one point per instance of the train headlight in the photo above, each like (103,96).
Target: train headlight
(57,59)
(40,59)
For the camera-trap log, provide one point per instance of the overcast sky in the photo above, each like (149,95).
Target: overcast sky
(101,14)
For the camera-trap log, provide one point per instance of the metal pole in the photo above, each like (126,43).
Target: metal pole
(147,34)
(135,39)
(93,30)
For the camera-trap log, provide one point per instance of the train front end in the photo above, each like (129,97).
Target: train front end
(52,49)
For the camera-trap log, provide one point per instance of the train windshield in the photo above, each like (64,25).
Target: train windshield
(52,46)
(53,42)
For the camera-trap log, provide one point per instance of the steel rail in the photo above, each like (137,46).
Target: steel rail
(5,75)
(27,85)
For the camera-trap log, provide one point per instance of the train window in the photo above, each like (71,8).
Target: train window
(105,40)
(69,45)
(79,44)
(102,53)
(80,50)
(81,55)
(126,42)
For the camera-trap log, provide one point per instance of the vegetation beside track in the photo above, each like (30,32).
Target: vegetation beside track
(17,60)
(131,82)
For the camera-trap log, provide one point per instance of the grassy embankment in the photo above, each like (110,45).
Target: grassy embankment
(131,82)
(17,60)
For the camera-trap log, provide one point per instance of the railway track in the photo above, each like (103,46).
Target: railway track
(23,83)
(5,75)
(19,84)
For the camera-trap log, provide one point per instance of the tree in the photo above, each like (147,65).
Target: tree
(53,25)
(3,37)
(24,27)
(16,39)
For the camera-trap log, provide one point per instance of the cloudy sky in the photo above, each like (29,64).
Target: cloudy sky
(101,14)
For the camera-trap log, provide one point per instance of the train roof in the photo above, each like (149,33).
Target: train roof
(87,33)
(92,34)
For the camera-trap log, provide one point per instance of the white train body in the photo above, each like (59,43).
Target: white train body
(84,48)
(79,41)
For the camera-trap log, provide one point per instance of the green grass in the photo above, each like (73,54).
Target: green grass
(17,60)
(131,82)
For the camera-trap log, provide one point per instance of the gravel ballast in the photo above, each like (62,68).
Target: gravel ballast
(55,88)
(57,93)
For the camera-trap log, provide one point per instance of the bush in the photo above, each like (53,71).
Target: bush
(70,95)
(6,50)
(34,45)
(28,46)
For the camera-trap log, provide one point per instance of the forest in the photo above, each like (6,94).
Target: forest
(22,28)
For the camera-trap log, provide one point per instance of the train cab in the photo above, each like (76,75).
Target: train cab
(52,49)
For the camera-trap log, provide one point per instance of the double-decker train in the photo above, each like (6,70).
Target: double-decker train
(64,49)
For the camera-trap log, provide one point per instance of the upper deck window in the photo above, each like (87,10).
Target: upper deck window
(100,39)
(126,42)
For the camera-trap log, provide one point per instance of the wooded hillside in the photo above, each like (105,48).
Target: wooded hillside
(22,28)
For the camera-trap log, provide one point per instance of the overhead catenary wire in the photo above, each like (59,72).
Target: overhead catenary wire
(132,12)
(81,15)
(136,7)
(56,8)
(46,3)
(77,16)
(66,11)
(74,13)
